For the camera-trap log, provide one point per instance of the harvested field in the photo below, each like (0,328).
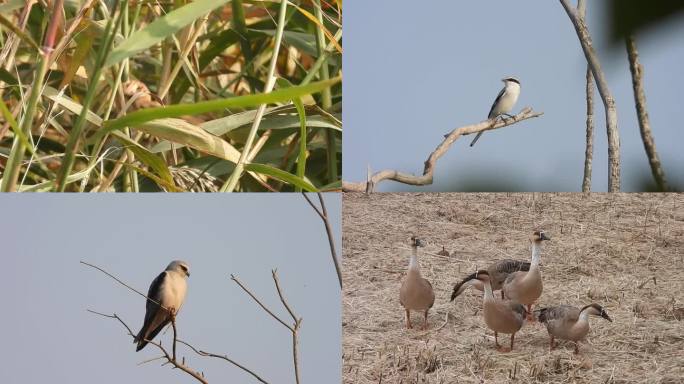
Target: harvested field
(624,252)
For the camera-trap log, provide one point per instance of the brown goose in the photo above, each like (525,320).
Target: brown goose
(526,287)
(569,323)
(498,272)
(505,316)
(416,293)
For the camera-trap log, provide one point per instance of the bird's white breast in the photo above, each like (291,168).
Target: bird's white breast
(173,290)
(509,98)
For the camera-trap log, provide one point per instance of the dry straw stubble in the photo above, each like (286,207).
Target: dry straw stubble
(605,249)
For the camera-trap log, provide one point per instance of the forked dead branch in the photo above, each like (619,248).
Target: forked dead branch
(427,177)
(170,359)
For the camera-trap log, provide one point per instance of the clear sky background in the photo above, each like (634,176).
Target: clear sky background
(414,71)
(48,337)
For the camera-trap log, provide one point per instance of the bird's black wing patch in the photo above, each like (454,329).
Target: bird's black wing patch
(503,90)
(510,266)
(153,293)
(151,307)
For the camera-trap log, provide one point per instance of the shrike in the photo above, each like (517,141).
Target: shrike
(504,101)
(168,289)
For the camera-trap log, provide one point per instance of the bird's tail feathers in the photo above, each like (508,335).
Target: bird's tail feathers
(540,315)
(476,138)
(140,340)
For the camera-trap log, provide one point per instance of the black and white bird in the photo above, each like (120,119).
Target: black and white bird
(504,101)
(168,289)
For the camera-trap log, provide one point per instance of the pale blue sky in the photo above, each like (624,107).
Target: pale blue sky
(48,336)
(414,71)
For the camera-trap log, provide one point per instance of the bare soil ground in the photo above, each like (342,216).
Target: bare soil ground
(625,252)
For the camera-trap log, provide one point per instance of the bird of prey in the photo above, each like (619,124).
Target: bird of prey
(504,101)
(168,289)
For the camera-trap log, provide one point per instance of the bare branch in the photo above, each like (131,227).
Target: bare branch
(124,284)
(313,206)
(295,329)
(274,272)
(170,360)
(223,357)
(235,279)
(323,213)
(114,316)
(644,124)
(175,336)
(295,353)
(297,321)
(442,148)
(604,92)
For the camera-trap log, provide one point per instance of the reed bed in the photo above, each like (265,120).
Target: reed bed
(199,95)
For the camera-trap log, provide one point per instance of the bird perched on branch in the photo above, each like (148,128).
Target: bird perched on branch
(167,290)
(504,101)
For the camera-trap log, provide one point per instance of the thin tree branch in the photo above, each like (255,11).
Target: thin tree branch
(323,213)
(223,357)
(170,360)
(175,336)
(604,92)
(235,279)
(642,113)
(442,148)
(197,351)
(280,294)
(318,211)
(114,316)
(295,329)
(295,352)
(589,151)
(297,321)
(124,284)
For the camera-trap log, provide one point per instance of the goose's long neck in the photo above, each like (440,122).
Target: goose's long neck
(413,261)
(581,327)
(489,295)
(583,317)
(536,255)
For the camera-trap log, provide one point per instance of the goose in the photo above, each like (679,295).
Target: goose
(505,316)
(498,272)
(569,323)
(526,287)
(416,293)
